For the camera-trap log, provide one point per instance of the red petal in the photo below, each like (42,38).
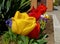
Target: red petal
(42,8)
(35,32)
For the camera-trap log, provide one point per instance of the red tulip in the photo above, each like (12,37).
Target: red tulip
(34,13)
(41,8)
(35,32)
(38,12)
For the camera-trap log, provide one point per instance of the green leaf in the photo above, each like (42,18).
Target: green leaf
(45,36)
(8,4)
(12,35)
(3,4)
(41,41)
(34,43)
(24,4)
(43,24)
(9,36)
(22,1)
(0,8)
(30,42)
(20,42)
(6,38)
(25,39)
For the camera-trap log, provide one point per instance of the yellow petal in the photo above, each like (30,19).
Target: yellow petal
(31,23)
(24,15)
(22,23)
(14,26)
(28,29)
(17,15)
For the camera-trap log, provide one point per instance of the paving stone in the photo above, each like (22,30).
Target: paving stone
(56,24)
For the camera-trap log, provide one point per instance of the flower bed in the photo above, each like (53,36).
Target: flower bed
(23,27)
(49,30)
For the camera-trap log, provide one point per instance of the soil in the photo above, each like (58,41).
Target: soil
(49,30)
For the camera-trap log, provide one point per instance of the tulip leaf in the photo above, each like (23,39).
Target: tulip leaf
(34,43)
(6,38)
(20,42)
(22,1)
(0,8)
(30,42)
(24,4)
(2,5)
(25,39)
(12,35)
(8,4)
(41,41)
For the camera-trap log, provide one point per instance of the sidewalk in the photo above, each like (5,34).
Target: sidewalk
(56,24)
(56,12)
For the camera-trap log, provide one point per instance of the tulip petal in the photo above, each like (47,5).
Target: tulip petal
(22,23)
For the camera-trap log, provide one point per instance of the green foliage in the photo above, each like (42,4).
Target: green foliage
(56,3)
(43,25)
(8,9)
(20,39)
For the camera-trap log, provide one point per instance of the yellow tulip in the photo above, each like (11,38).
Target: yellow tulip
(19,15)
(22,23)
